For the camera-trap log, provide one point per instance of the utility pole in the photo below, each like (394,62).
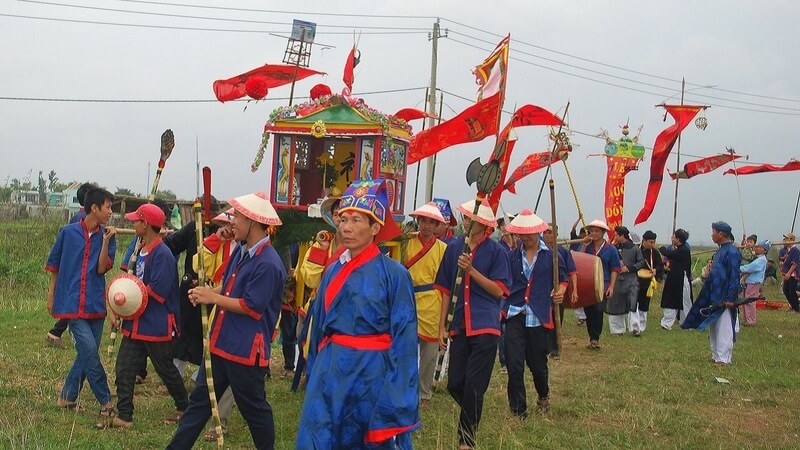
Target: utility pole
(430,162)
(678,167)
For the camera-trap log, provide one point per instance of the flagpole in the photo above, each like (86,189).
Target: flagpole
(678,167)
(416,183)
(794,218)
(550,162)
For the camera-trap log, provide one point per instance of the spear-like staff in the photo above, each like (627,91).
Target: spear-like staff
(556,281)
(167,144)
(202,219)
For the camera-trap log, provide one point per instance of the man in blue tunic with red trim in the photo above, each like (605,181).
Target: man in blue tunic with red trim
(596,244)
(151,333)
(476,318)
(248,304)
(529,311)
(81,256)
(363,379)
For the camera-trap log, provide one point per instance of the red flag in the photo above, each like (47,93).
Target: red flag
(491,74)
(351,63)
(274,74)
(409,114)
(475,123)
(618,167)
(528,115)
(749,170)
(683,114)
(532,163)
(704,165)
(504,156)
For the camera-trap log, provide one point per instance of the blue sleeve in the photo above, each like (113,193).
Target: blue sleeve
(163,275)
(758,265)
(562,270)
(314,320)
(126,258)
(446,275)
(794,256)
(500,270)
(112,250)
(264,289)
(54,260)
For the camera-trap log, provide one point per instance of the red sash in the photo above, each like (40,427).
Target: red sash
(426,247)
(339,279)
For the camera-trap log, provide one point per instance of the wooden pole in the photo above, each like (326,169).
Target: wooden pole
(556,306)
(677,167)
(797,203)
(552,155)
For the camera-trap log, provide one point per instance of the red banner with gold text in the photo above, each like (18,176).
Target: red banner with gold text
(618,167)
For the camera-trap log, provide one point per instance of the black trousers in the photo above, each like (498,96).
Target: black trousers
(471,364)
(525,346)
(288,328)
(247,384)
(594,320)
(132,356)
(790,292)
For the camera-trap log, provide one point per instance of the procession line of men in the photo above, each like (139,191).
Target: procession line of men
(374,326)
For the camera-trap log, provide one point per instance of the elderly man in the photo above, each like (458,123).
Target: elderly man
(789,256)
(623,301)
(715,305)
(362,364)
(476,319)
(529,311)
(423,258)
(248,304)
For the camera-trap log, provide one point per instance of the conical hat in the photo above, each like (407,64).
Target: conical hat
(326,209)
(224,217)
(485,213)
(430,211)
(127,296)
(598,223)
(526,222)
(256,207)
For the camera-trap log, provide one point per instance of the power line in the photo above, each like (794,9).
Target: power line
(222,19)
(95,100)
(272,11)
(619,67)
(171,27)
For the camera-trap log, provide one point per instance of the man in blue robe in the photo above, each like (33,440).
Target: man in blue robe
(715,305)
(363,378)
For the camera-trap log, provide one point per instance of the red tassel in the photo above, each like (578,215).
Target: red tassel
(256,87)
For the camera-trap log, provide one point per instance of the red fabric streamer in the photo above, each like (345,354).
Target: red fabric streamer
(349,65)
(319,90)
(749,170)
(475,123)
(528,115)
(409,114)
(618,167)
(683,114)
(532,163)
(704,165)
(274,74)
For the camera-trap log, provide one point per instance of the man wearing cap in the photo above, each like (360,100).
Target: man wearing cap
(655,270)
(596,244)
(363,379)
(80,257)
(623,302)
(719,292)
(248,304)
(677,293)
(529,311)
(424,256)
(789,255)
(755,272)
(444,231)
(572,272)
(476,319)
(150,334)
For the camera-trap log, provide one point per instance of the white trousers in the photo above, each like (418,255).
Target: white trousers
(687,300)
(580,314)
(720,337)
(638,320)
(619,324)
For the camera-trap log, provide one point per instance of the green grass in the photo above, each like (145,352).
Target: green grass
(658,391)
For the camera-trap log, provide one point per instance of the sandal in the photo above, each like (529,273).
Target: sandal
(108,412)
(173,418)
(211,435)
(66,404)
(113,422)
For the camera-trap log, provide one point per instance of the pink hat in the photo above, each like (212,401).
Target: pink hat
(256,207)
(429,210)
(485,214)
(149,213)
(598,224)
(224,217)
(526,222)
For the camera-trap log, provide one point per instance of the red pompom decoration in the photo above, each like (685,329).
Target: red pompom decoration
(319,91)
(256,87)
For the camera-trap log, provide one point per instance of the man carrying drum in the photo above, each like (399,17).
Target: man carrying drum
(596,244)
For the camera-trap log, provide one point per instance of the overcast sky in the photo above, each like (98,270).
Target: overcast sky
(613,60)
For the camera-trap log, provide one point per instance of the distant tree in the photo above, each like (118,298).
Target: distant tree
(52,181)
(42,189)
(166,195)
(125,192)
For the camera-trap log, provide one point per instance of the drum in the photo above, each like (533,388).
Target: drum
(644,274)
(590,281)
(127,296)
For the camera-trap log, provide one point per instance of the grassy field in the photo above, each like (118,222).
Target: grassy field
(658,391)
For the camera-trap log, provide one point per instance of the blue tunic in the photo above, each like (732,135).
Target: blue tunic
(477,312)
(722,285)
(609,256)
(159,321)
(363,379)
(534,291)
(80,291)
(257,281)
